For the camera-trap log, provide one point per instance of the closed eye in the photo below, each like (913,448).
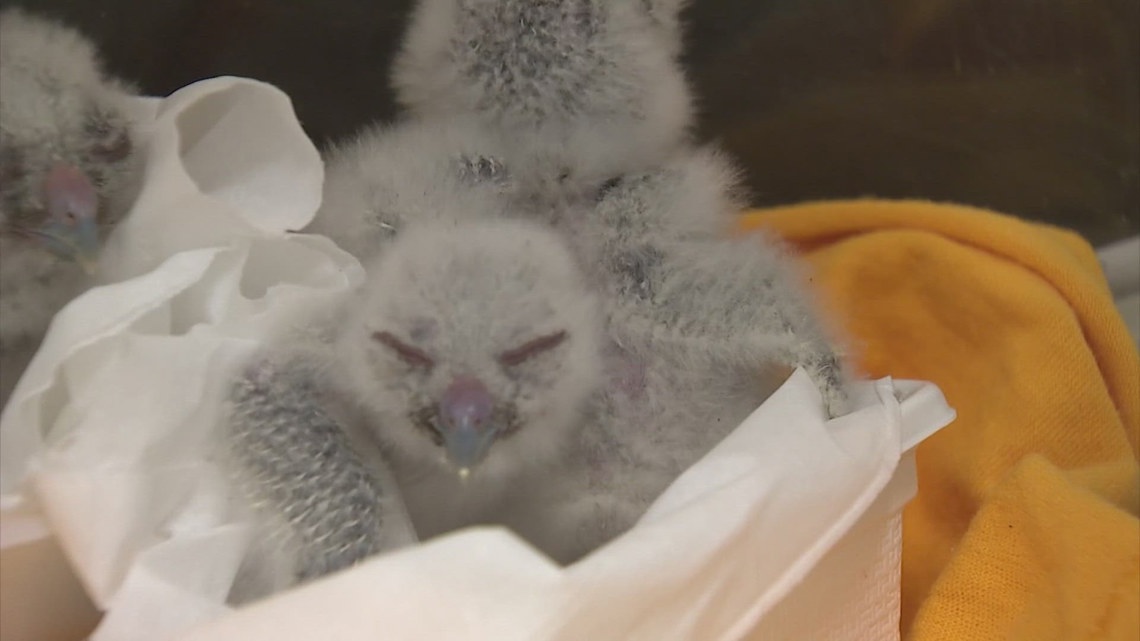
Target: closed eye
(526,351)
(411,355)
(114,149)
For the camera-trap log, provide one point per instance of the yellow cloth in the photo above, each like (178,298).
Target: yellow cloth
(1025,526)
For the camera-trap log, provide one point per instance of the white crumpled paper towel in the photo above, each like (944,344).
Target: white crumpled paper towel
(107,430)
(106,435)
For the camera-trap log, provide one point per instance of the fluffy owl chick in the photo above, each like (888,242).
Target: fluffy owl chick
(582,89)
(459,374)
(475,353)
(677,274)
(65,166)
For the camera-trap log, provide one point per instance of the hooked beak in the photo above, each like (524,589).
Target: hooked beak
(467,444)
(465,412)
(78,242)
(71,230)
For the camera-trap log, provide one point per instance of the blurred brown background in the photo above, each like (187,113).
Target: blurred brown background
(1031,107)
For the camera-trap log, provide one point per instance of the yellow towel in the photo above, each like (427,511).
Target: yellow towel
(1025,526)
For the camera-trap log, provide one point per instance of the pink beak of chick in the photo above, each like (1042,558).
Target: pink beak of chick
(465,411)
(71,229)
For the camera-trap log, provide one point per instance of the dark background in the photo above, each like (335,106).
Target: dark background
(1030,107)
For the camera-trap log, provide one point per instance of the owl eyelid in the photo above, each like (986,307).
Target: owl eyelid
(410,355)
(114,149)
(528,350)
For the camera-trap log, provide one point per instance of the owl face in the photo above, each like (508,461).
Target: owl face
(65,141)
(475,346)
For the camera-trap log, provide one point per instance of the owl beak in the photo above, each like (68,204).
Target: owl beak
(467,444)
(71,230)
(78,241)
(468,433)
